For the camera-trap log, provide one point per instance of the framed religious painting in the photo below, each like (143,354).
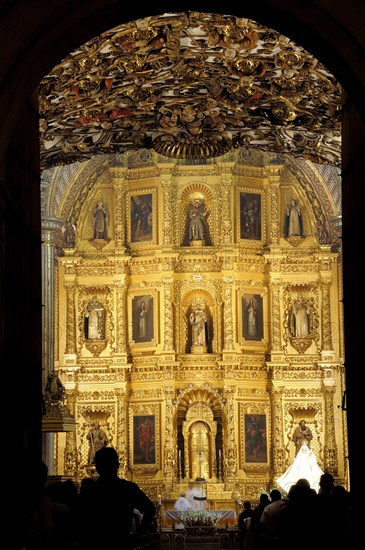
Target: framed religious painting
(143,318)
(145,436)
(252,317)
(141,217)
(144,439)
(249,214)
(255,438)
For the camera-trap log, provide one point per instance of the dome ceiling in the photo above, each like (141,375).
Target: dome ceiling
(190,85)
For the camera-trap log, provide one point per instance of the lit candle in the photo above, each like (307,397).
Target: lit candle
(219,453)
(179,453)
(159,500)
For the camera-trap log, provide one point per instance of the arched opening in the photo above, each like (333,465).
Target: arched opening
(352,222)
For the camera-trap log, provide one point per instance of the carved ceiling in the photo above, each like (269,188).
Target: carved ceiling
(190,85)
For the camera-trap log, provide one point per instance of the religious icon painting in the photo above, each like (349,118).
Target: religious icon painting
(141,217)
(252,317)
(255,438)
(144,439)
(142,318)
(250,216)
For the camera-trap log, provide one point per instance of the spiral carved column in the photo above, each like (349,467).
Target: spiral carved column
(121,424)
(170,471)
(228,314)
(275,317)
(168,217)
(330,450)
(121,329)
(168,316)
(275,217)
(230,461)
(70,455)
(326,316)
(71,321)
(277,430)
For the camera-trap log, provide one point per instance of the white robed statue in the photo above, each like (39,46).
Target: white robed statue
(304,466)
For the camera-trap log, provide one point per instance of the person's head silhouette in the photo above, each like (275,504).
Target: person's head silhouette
(107,462)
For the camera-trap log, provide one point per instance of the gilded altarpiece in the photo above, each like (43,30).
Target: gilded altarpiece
(223,409)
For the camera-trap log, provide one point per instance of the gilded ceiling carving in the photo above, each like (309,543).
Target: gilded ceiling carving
(189,85)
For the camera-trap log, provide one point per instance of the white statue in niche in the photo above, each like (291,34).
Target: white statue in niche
(94,315)
(198,321)
(300,318)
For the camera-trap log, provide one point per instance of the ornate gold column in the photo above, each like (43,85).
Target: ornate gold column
(71,448)
(167,229)
(70,318)
(275,316)
(119,190)
(330,450)
(277,429)
(228,314)
(168,343)
(326,315)
(170,437)
(226,206)
(274,190)
(121,423)
(230,450)
(121,328)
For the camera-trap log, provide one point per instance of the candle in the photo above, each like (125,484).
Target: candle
(179,453)
(159,500)
(219,453)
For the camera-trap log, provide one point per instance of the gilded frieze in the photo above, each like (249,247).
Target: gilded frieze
(136,174)
(252,393)
(143,395)
(245,170)
(97,376)
(199,264)
(198,374)
(96,395)
(259,374)
(185,170)
(146,376)
(298,374)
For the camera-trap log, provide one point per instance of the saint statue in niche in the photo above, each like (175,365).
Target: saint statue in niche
(198,322)
(300,318)
(94,320)
(100,222)
(69,234)
(197,216)
(293,220)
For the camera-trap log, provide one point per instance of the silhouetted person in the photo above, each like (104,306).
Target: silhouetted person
(112,502)
(244,523)
(326,485)
(299,519)
(270,519)
(335,514)
(256,526)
